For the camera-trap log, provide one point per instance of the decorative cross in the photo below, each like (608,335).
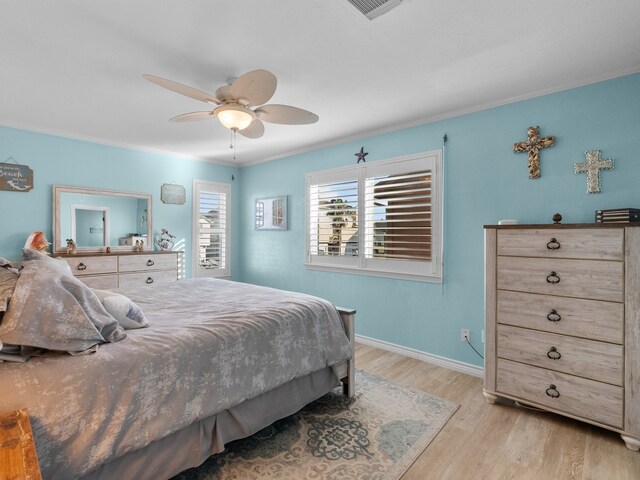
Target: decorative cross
(533,144)
(592,168)
(361,154)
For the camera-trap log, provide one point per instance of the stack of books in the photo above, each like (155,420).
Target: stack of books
(618,215)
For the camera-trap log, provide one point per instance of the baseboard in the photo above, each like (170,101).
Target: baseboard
(445,362)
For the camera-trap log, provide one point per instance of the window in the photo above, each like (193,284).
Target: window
(382,218)
(211,215)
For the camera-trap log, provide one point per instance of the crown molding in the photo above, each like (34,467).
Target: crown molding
(111,143)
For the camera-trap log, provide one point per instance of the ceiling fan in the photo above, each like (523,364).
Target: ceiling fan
(252,89)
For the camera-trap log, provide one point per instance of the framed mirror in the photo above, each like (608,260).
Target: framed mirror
(271,213)
(97,219)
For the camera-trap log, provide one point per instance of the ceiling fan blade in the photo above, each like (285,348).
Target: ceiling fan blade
(254,88)
(286,115)
(190,117)
(182,89)
(254,130)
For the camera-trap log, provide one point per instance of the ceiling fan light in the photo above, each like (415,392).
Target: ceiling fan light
(234,117)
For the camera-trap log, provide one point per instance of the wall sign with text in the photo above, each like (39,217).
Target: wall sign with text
(16,178)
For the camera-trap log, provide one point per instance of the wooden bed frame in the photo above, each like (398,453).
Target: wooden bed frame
(347,372)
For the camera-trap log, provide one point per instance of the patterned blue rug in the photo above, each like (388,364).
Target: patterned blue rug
(376,436)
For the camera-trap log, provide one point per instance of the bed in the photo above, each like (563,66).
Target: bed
(219,361)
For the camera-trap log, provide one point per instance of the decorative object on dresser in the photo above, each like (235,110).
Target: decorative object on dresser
(71,246)
(563,321)
(165,240)
(37,241)
(557,218)
(124,269)
(532,146)
(172,194)
(14,177)
(618,215)
(592,167)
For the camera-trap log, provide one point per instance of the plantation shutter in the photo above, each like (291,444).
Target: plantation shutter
(333,218)
(211,229)
(398,216)
(382,218)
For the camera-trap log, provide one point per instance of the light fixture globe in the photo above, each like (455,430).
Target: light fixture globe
(234,116)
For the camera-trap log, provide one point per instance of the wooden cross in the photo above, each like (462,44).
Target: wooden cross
(592,168)
(533,144)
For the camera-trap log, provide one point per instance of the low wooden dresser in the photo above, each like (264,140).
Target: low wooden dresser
(563,321)
(124,269)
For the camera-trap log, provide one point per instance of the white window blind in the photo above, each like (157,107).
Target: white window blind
(398,216)
(382,218)
(211,229)
(333,215)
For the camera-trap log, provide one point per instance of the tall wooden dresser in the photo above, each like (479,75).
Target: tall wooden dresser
(563,321)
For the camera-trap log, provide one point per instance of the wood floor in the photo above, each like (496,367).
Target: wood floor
(501,441)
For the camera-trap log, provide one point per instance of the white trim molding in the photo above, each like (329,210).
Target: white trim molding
(463,367)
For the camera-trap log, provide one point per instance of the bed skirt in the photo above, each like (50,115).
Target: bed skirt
(192,445)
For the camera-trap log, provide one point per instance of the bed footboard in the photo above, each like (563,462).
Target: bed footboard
(348,379)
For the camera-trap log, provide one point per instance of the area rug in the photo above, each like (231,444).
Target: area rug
(375,436)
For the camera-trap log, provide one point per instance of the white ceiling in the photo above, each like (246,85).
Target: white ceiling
(74,67)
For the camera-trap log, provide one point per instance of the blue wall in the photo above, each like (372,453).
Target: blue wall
(484,182)
(56,160)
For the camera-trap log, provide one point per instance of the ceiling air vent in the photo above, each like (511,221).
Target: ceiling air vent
(374,8)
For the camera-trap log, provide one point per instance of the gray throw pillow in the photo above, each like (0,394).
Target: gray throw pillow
(52,309)
(128,314)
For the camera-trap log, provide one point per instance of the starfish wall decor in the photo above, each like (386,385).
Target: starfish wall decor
(592,168)
(533,144)
(361,154)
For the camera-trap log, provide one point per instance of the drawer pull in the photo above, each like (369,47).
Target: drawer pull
(552,391)
(553,278)
(554,316)
(81,266)
(554,354)
(149,280)
(150,263)
(553,244)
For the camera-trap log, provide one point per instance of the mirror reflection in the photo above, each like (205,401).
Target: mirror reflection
(96,219)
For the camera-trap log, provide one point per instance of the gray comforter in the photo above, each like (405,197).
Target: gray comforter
(211,345)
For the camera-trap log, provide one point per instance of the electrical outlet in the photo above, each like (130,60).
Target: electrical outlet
(483,337)
(465,335)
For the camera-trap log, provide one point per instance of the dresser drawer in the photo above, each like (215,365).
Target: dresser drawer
(588,399)
(577,356)
(101,282)
(147,278)
(592,319)
(92,265)
(590,279)
(152,261)
(592,243)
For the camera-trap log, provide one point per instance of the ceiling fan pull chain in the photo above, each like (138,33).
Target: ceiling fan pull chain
(233,143)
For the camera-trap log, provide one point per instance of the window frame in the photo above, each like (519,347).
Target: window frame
(213,187)
(431,271)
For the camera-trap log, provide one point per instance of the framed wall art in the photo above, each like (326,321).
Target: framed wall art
(271,213)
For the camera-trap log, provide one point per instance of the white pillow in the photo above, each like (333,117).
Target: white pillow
(128,314)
